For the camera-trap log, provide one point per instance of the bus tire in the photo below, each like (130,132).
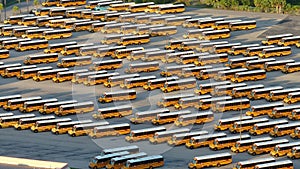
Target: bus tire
(215,149)
(61,37)
(254,134)
(130,141)
(292,157)
(218,165)
(73,135)
(254,153)
(19,128)
(47,61)
(56,133)
(35,131)
(276,155)
(95,167)
(94,137)
(37,79)
(59,115)
(194,167)
(150,167)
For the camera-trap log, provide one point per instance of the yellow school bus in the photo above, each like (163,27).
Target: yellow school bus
(11,121)
(195,33)
(277,51)
(109,51)
(189,57)
(26,123)
(119,162)
(295,115)
(75,13)
(204,140)
(5,66)
(118,80)
(278,164)
(291,67)
(16,18)
(83,26)
(90,50)
(139,7)
(57,23)
(107,64)
(75,108)
(181,84)
(111,39)
(98,78)
(8,30)
(19,32)
(265,127)
(117,96)
(171,100)
(265,147)
(228,74)
(177,21)
(121,6)
(163,136)
(124,53)
(74,49)
(193,71)
(81,77)
(191,45)
(289,41)
(134,40)
(35,105)
(296,133)
(163,31)
(281,94)
(103,160)
(219,25)
(277,65)
(263,93)
(249,75)
(67,3)
(241,146)
(144,116)
(29,21)
(253,162)
(113,27)
(142,67)
(226,89)
(67,75)
(274,39)
(189,23)
(224,124)
(143,19)
(242,25)
(215,34)
(145,30)
(143,134)
(64,127)
(223,48)
(110,130)
(213,160)
(4,99)
(57,34)
(184,103)
(292,97)
(294,154)
(227,142)
(246,125)
(4,54)
(50,2)
(176,8)
(32,45)
(163,55)
(139,54)
(205,104)
(206,47)
(284,129)
(47,125)
(258,63)
(195,118)
(35,34)
(238,50)
(92,4)
(210,73)
(211,59)
(49,108)
(171,117)
(12,44)
(209,87)
(114,111)
(15,71)
(145,162)
(58,47)
(175,70)
(75,61)
(85,129)
(14,104)
(232,105)
(282,149)
(183,138)
(255,51)
(47,74)
(129,17)
(43,21)
(263,109)
(30,73)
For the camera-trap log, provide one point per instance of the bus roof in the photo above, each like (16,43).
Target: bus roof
(99,123)
(64,43)
(6,114)
(112,126)
(237,118)
(271,123)
(76,104)
(257,160)
(72,72)
(140,78)
(242,22)
(148,129)
(181,112)
(232,70)
(292,144)
(280,61)
(206,157)
(268,89)
(108,61)
(256,120)
(41,101)
(119,149)
(26,99)
(289,90)
(124,76)
(250,87)
(181,80)
(164,79)
(291,38)
(115,108)
(230,86)
(145,50)
(74,122)
(215,83)
(120,92)
(214,99)
(244,136)
(255,140)
(17,116)
(156,111)
(207,96)
(112,155)
(130,49)
(38,118)
(192,133)
(104,75)
(227,45)
(215,69)
(8,97)
(54,120)
(77,58)
(244,59)
(178,96)
(277,48)
(250,72)
(292,124)
(271,164)
(234,101)
(180,66)
(222,134)
(197,68)
(128,157)
(145,159)
(160,52)
(53,70)
(228,21)
(172,131)
(245,46)
(278,141)
(279,36)
(196,114)
(276,104)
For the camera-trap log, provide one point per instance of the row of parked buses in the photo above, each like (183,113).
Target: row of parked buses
(127,157)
